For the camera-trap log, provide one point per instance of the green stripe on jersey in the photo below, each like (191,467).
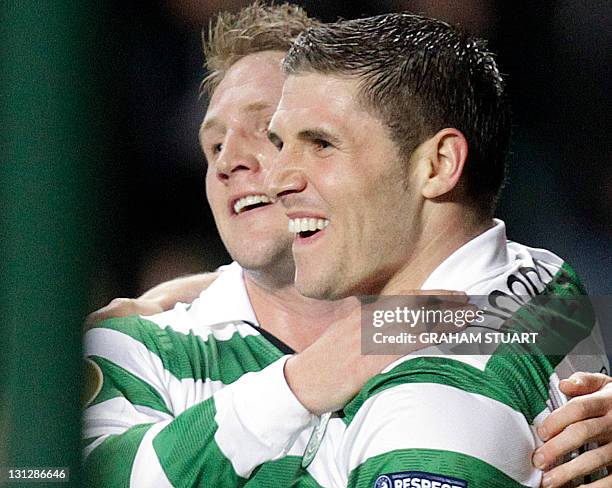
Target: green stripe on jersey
(477,473)
(187,445)
(190,356)
(117,382)
(305,480)
(562,315)
(186,466)
(112,460)
(282,473)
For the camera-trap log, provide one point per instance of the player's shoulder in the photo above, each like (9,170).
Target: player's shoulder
(428,407)
(542,268)
(135,326)
(464,374)
(517,382)
(168,332)
(132,336)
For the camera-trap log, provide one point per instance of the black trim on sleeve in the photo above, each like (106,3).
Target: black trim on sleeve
(284,348)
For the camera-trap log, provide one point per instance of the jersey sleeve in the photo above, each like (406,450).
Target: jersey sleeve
(428,434)
(163,417)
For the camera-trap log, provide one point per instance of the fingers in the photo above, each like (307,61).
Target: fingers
(583,383)
(579,467)
(572,438)
(575,410)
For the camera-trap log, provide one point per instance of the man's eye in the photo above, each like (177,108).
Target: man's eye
(275,140)
(321,144)
(217,148)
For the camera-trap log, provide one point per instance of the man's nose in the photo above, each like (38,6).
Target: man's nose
(235,157)
(285,179)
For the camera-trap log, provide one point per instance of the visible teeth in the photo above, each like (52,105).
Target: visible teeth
(307,224)
(250,200)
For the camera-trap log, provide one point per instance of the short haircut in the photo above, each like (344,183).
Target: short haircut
(420,75)
(255,28)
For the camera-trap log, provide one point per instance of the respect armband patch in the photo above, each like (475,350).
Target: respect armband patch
(418,479)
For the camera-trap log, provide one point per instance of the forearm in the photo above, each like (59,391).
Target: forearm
(184,289)
(176,452)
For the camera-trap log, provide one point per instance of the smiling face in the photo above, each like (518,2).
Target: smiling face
(350,197)
(234,140)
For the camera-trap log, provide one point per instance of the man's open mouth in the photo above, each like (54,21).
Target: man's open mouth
(250,202)
(307,227)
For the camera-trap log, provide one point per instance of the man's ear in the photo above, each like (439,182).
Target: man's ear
(447,154)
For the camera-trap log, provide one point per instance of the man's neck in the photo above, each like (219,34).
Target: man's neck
(294,319)
(437,243)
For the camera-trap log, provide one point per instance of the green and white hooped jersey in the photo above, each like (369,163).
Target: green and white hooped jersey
(196,396)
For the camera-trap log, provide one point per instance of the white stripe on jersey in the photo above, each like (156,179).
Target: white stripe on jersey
(146,471)
(261,410)
(117,415)
(181,320)
(178,395)
(434,416)
(476,361)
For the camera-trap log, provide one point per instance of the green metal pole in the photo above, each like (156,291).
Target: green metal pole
(48,93)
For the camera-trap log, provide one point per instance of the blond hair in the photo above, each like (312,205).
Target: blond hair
(256,28)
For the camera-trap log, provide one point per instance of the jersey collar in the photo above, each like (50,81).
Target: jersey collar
(476,261)
(226,299)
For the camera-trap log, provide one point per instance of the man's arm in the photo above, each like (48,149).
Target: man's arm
(163,417)
(158,299)
(184,289)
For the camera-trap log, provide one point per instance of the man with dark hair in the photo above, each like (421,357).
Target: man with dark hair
(418,77)
(393,131)
(198,395)
(428,78)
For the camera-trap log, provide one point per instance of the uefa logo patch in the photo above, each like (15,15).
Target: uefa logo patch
(383,482)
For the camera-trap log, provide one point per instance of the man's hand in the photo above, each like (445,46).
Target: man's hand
(158,299)
(585,418)
(329,373)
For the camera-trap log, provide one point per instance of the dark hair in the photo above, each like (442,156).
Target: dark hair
(255,28)
(420,75)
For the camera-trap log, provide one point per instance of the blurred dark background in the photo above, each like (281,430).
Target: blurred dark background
(156,220)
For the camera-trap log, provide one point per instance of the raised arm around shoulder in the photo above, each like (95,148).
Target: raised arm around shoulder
(184,289)
(158,299)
